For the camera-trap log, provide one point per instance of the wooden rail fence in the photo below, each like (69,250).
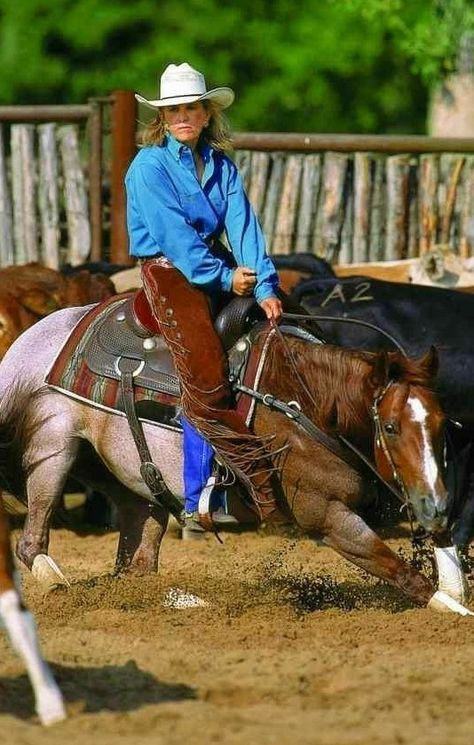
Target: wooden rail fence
(328,195)
(53,177)
(349,198)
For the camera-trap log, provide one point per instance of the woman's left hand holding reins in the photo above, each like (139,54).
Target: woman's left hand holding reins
(272,308)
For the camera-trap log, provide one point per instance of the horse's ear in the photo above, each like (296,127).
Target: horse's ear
(429,363)
(380,369)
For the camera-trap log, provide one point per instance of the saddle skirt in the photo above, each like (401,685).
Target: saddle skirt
(87,367)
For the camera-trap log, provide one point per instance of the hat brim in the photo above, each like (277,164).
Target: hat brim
(222,96)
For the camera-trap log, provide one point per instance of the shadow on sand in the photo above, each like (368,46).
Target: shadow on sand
(107,688)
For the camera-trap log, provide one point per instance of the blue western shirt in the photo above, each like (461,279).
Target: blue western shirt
(170,212)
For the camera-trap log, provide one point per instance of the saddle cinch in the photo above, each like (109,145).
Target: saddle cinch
(115,362)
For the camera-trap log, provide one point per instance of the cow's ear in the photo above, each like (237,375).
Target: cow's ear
(429,363)
(379,376)
(39,302)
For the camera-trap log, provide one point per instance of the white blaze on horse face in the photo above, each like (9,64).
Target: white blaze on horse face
(430,466)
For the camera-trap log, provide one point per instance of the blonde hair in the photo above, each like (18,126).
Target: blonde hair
(217,134)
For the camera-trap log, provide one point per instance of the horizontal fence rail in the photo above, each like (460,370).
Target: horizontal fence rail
(45,113)
(346,143)
(349,198)
(350,205)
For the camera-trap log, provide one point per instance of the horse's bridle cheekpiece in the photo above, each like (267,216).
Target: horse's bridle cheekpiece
(340,446)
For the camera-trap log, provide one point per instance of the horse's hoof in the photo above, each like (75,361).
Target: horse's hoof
(451,577)
(443,602)
(177,598)
(50,707)
(47,573)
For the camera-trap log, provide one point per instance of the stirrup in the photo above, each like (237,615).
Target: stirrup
(223,519)
(219,518)
(192,527)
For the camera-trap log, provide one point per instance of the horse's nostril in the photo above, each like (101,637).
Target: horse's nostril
(428,507)
(432,515)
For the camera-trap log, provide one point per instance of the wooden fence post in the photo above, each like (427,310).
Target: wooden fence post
(397,207)
(96,134)
(466,230)
(361,219)
(48,195)
(75,195)
(24,166)
(124,115)
(6,219)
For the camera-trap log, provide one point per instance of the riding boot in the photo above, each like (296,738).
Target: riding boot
(181,312)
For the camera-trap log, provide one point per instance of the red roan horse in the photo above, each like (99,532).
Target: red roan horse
(338,390)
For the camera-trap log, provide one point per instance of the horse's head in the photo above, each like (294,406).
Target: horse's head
(409,434)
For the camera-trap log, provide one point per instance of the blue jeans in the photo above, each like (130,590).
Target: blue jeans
(197,469)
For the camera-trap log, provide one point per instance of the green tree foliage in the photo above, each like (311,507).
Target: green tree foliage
(312,65)
(427,32)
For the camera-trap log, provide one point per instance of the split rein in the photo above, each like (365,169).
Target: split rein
(355,321)
(340,446)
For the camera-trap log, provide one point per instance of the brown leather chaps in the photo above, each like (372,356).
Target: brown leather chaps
(183,315)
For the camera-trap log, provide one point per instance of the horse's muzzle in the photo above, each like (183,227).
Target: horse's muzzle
(431,513)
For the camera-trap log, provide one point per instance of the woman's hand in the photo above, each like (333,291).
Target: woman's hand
(243,280)
(272,308)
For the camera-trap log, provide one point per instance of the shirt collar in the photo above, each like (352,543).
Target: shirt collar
(174,146)
(177,148)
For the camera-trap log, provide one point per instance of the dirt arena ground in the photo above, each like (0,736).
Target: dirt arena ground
(295,646)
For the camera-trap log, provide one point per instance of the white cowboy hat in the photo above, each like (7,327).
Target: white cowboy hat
(183,84)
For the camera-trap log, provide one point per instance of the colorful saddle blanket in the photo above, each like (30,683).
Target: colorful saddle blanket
(86,368)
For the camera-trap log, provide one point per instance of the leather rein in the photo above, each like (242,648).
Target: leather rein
(340,446)
(355,321)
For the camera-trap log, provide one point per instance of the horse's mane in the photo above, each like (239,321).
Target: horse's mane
(337,386)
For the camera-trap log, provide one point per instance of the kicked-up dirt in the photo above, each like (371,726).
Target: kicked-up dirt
(293,646)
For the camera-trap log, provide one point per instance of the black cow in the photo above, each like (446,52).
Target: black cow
(418,317)
(305,263)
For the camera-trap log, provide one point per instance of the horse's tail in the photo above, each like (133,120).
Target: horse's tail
(16,427)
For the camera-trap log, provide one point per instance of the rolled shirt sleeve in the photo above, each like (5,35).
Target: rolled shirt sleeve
(246,239)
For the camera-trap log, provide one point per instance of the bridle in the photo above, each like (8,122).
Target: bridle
(380,439)
(340,446)
(381,442)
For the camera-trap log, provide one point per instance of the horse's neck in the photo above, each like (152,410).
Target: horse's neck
(330,385)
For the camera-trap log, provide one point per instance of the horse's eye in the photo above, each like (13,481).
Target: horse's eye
(390,428)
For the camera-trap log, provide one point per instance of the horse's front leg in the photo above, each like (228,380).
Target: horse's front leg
(21,629)
(351,537)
